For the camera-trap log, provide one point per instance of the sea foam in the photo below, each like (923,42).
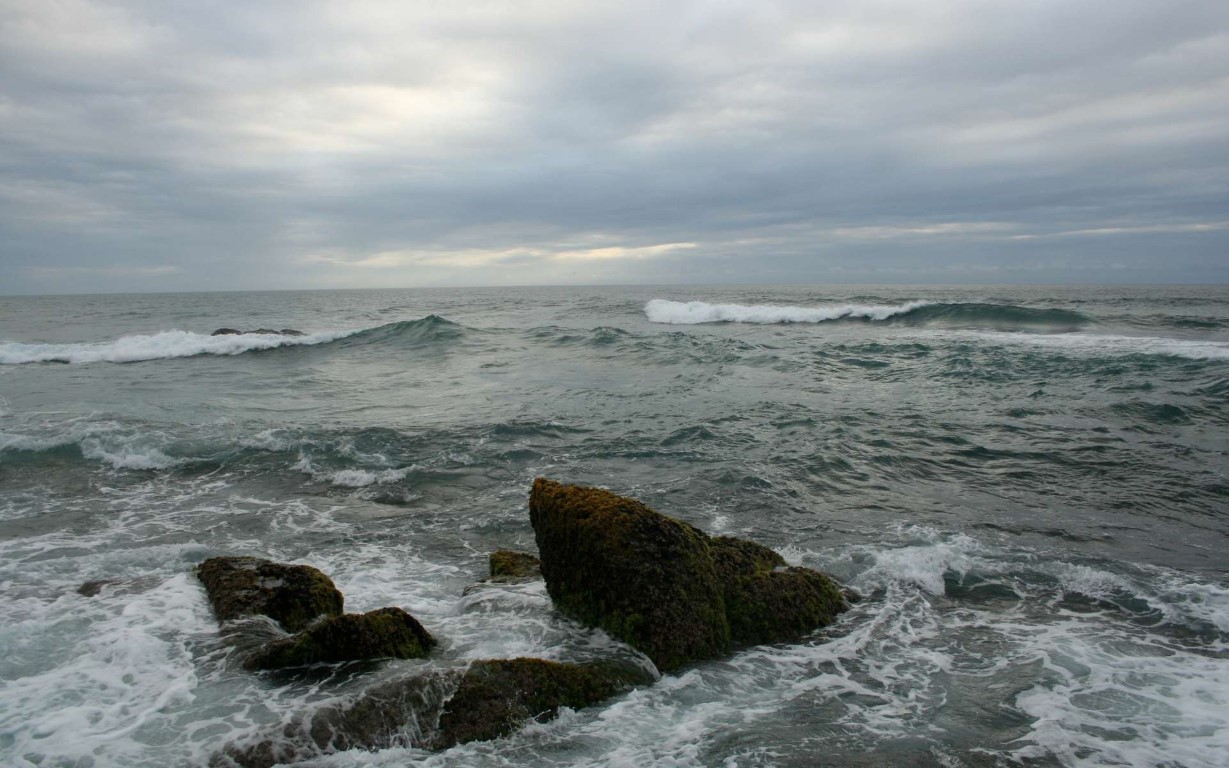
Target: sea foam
(1101,344)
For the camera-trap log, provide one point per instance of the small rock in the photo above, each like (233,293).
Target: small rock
(384,633)
(507,565)
(92,588)
(292,595)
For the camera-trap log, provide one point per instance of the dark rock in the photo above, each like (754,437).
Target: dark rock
(645,578)
(440,709)
(507,565)
(499,696)
(92,588)
(664,587)
(384,633)
(292,595)
(766,601)
(265,331)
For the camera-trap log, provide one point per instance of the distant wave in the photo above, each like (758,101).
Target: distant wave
(1087,343)
(172,344)
(912,313)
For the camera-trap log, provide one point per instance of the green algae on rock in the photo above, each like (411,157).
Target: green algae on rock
(664,587)
(440,709)
(383,633)
(645,578)
(292,595)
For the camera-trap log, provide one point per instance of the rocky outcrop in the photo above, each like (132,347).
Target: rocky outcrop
(292,595)
(265,331)
(663,586)
(488,700)
(383,633)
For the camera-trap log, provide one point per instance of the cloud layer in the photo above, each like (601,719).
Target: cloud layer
(175,146)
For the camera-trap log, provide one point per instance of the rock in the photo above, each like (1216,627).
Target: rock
(440,709)
(93,588)
(499,696)
(664,587)
(645,578)
(507,565)
(292,595)
(384,633)
(766,601)
(265,331)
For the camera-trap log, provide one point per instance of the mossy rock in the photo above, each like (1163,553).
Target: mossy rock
(507,565)
(497,697)
(292,595)
(645,578)
(766,601)
(664,587)
(384,633)
(437,710)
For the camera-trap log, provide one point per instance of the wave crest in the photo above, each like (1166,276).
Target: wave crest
(912,313)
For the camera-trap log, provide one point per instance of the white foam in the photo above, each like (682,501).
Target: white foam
(692,312)
(1102,344)
(157,346)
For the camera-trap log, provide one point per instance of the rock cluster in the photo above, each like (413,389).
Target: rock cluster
(659,584)
(304,601)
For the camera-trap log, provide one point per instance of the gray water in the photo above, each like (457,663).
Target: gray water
(1028,484)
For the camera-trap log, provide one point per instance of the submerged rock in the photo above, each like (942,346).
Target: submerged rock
(93,588)
(663,586)
(384,633)
(292,595)
(488,700)
(507,565)
(266,331)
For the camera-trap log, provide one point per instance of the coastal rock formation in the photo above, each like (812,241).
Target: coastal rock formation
(488,700)
(383,633)
(663,586)
(292,595)
(266,331)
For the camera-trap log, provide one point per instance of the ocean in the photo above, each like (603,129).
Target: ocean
(1028,485)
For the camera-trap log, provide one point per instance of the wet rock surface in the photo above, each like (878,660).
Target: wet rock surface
(489,699)
(663,586)
(292,595)
(383,633)
(510,566)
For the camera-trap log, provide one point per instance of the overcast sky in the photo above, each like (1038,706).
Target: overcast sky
(173,145)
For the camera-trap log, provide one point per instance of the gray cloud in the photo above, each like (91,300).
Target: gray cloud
(172,146)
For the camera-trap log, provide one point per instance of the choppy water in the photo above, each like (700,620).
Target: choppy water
(1029,484)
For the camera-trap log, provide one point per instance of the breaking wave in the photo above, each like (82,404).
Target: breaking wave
(167,345)
(1003,316)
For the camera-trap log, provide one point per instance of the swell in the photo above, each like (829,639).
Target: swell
(916,313)
(167,345)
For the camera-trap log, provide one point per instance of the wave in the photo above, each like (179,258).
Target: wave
(1106,344)
(910,313)
(167,345)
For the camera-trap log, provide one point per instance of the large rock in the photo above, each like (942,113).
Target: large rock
(380,634)
(438,710)
(645,578)
(292,595)
(664,587)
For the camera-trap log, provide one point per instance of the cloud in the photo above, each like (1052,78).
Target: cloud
(293,144)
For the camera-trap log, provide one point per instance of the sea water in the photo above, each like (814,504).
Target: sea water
(1028,486)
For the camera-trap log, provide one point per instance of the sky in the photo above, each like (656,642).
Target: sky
(174,146)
